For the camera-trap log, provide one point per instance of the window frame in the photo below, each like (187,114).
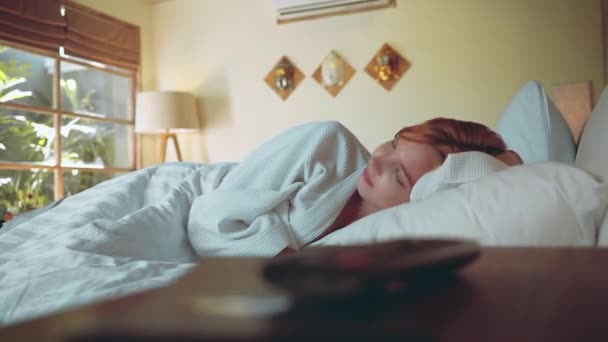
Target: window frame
(58,114)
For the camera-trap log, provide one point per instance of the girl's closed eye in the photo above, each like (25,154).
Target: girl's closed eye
(401,177)
(398,178)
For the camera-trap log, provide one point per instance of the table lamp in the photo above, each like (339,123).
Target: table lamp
(166,113)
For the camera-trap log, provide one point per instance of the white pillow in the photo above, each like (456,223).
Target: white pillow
(538,204)
(592,155)
(458,168)
(533,127)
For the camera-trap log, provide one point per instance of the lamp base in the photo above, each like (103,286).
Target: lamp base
(164,139)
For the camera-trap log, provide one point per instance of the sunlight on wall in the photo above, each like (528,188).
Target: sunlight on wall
(469,57)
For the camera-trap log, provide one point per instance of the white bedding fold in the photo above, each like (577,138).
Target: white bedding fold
(285,193)
(125,235)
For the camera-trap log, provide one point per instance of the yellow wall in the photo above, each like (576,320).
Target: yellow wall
(138,12)
(469,57)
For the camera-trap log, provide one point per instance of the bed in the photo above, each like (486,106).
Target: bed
(79,251)
(557,198)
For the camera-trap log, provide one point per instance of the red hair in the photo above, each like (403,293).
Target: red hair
(453,136)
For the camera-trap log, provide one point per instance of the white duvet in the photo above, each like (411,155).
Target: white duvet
(147,228)
(100,244)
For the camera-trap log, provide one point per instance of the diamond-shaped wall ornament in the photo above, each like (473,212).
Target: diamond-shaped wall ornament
(387,66)
(284,78)
(333,73)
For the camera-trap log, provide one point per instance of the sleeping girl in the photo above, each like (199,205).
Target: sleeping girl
(317,178)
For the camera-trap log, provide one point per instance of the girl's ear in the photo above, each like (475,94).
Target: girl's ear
(510,158)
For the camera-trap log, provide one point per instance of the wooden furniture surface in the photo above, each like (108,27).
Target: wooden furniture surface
(508,294)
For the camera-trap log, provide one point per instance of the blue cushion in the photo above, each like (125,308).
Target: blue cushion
(533,127)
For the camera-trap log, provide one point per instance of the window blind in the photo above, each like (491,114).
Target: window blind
(82,31)
(35,23)
(97,36)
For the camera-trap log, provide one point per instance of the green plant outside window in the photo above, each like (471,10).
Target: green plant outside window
(91,146)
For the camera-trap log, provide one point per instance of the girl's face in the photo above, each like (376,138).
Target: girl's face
(393,169)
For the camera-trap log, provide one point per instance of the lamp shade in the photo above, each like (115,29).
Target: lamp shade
(165,111)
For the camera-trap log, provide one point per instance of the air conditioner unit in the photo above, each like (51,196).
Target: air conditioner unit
(292,10)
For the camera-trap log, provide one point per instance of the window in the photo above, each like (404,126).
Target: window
(66,121)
